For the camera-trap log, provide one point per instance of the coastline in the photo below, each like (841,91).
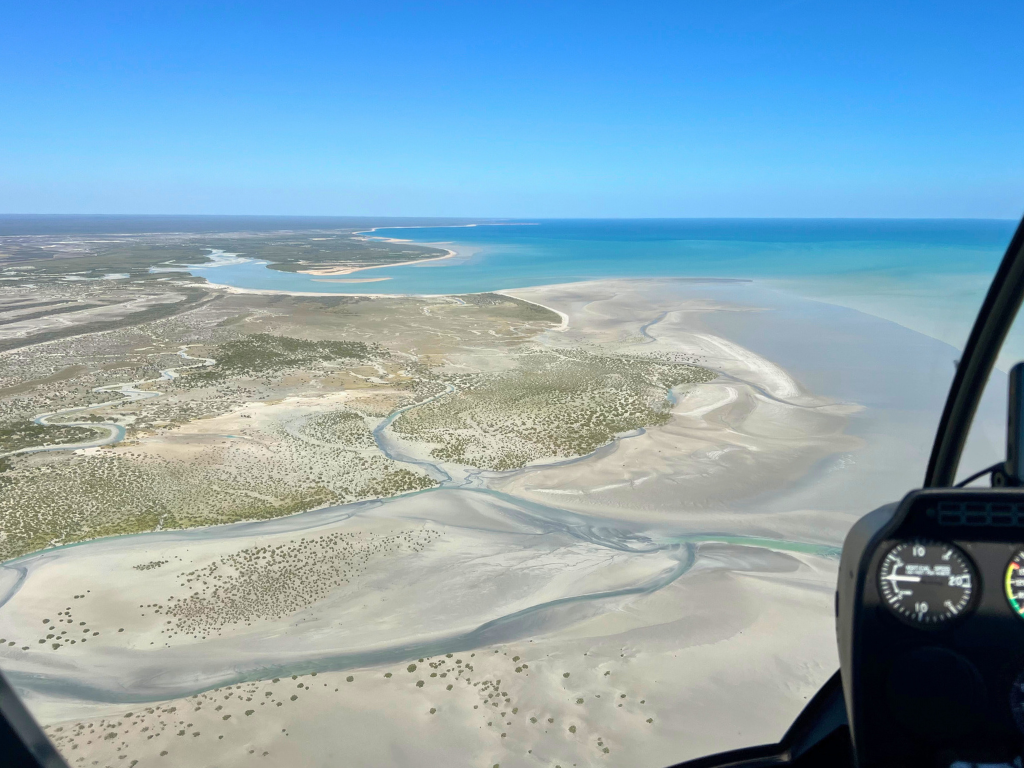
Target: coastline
(356,280)
(565,318)
(272,292)
(332,271)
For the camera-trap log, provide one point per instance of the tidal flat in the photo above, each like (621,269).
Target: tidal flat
(349,487)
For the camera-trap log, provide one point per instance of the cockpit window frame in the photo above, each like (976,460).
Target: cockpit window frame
(991,327)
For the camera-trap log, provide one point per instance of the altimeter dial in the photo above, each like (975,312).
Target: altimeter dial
(926,582)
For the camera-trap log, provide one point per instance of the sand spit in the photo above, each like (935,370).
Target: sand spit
(342,270)
(565,318)
(270,292)
(356,280)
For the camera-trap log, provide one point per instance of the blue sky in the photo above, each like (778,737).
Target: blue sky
(791,108)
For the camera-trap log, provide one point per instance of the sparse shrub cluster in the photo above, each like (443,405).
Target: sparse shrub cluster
(261,353)
(339,426)
(150,565)
(269,582)
(73,498)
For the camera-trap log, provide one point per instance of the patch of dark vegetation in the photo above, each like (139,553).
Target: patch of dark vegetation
(269,582)
(95,258)
(25,434)
(556,403)
(524,310)
(73,307)
(192,299)
(150,565)
(263,353)
(292,253)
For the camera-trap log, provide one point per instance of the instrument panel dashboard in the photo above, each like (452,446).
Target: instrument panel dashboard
(930,618)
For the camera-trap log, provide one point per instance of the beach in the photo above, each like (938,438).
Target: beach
(345,270)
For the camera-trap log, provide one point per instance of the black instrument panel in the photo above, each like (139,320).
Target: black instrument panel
(931,635)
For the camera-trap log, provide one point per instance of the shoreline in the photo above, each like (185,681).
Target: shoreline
(565,318)
(500,291)
(354,280)
(333,271)
(448,226)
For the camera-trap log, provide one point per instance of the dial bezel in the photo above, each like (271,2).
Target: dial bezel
(939,623)
(1015,607)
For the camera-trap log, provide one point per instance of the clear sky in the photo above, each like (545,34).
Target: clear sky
(631,109)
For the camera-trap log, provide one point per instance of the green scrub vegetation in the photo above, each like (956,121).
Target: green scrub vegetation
(317,251)
(65,499)
(26,434)
(515,309)
(340,426)
(136,254)
(556,403)
(262,353)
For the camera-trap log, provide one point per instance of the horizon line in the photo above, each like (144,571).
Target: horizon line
(505,218)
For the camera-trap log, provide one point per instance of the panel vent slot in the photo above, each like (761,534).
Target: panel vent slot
(997,514)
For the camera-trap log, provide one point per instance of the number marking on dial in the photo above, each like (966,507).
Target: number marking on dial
(927,582)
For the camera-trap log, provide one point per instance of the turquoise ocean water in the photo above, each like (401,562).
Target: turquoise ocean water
(516,255)
(928,275)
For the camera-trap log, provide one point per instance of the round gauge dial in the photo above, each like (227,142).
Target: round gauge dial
(1013,582)
(926,582)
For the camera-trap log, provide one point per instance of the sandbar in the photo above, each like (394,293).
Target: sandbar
(342,270)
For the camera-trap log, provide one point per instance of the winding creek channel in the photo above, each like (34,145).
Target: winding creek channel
(159,679)
(114,432)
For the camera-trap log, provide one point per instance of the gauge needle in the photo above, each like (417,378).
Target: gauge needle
(894,577)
